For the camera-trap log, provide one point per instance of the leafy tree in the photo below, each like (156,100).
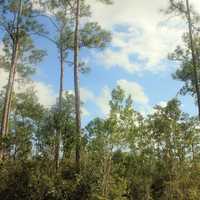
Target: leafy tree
(99,39)
(189,56)
(52,119)
(26,117)
(108,138)
(18,23)
(63,20)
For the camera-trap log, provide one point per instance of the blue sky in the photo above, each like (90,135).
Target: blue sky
(135,60)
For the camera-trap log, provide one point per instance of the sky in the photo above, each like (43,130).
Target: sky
(136,60)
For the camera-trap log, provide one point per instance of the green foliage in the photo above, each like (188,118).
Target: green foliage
(62,18)
(28,180)
(188,54)
(92,36)
(52,120)
(124,156)
(185,72)
(18,24)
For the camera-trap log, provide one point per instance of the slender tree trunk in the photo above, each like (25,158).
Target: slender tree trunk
(61,79)
(194,59)
(8,97)
(58,132)
(10,84)
(77,85)
(107,176)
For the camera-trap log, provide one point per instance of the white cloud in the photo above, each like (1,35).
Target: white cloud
(146,110)
(138,95)
(102,101)
(135,90)
(37,6)
(130,88)
(2,53)
(45,93)
(84,112)
(145,33)
(4,78)
(86,95)
(117,59)
(151,109)
(162,104)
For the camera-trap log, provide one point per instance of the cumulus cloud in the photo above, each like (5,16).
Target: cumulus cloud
(86,95)
(2,53)
(140,30)
(162,104)
(135,90)
(47,96)
(138,95)
(4,78)
(130,88)
(85,112)
(102,101)
(117,59)
(45,93)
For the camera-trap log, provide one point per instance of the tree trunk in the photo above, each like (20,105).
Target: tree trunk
(107,175)
(8,97)
(77,85)
(10,84)
(61,79)
(58,132)
(194,59)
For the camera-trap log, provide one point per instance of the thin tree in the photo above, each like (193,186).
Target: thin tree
(15,37)
(61,38)
(17,22)
(194,56)
(189,72)
(91,36)
(77,84)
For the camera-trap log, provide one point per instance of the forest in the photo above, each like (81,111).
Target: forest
(51,153)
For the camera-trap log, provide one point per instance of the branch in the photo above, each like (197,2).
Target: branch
(44,36)
(5,28)
(50,19)
(70,5)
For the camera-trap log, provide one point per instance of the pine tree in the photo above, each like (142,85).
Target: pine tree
(18,23)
